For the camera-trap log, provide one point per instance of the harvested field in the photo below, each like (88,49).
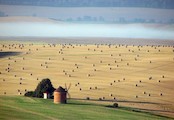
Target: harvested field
(134,76)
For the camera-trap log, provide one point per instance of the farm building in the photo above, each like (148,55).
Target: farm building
(46,95)
(60,95)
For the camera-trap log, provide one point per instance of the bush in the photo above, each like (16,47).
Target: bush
(29,94)
(44,86)
(115,105)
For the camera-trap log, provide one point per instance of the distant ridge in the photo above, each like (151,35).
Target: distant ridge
(162,4)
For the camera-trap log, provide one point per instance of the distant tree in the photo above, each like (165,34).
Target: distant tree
(44,86)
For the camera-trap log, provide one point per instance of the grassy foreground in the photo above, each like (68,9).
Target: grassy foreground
(15,107)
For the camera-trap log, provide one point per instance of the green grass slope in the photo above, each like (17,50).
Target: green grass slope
(16,108)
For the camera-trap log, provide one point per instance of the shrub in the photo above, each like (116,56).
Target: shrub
(115,105)
(29,94)
(44,86)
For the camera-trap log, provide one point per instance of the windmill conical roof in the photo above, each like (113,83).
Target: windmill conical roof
(60,89)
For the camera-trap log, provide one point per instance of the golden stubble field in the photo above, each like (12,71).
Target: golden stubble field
(134,76)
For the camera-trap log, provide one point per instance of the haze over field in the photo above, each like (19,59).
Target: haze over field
(37,27)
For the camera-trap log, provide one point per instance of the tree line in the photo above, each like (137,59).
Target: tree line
(164,4)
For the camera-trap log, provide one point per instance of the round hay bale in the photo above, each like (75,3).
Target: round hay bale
(87,98)
(150,78)
(144,92)
(136,96)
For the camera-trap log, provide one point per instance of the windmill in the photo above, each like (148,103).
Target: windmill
(67,89)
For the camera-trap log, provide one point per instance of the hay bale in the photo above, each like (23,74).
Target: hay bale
(87,98)
(150,78)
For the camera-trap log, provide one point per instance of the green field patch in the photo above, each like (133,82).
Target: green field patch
(33,108)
